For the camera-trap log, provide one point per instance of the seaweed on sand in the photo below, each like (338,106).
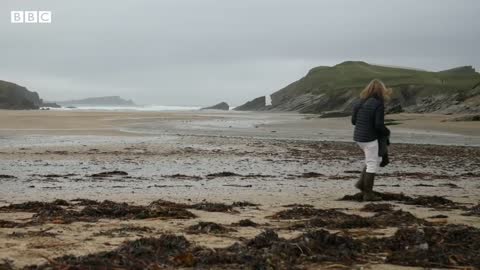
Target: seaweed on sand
(208,228)
(222,174)
(34,206)
(109,209)
(436,202)
(124,230)
(473,211)
(334,219)
(244,204)
(143,253)
(297,205)
(397,218)
(328,218)
(204,206)
(39,233)
(6,264)
(378,207)
(305,212)
(384,196)
(54,212)
(10,224)
(245,223)
(109,174)
(214,207)
(447,246)
(266,251)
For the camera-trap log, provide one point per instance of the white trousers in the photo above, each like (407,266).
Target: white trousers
(372,160)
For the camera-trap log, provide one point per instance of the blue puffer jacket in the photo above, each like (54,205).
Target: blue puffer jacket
(368,118)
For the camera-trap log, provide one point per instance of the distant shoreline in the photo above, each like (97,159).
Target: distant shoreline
(153,108)
(408,128)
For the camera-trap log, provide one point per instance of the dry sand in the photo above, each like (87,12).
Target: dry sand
(278,159)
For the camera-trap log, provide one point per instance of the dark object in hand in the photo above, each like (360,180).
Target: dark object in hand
(383,143)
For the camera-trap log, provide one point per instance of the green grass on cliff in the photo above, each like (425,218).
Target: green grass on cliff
(355,75)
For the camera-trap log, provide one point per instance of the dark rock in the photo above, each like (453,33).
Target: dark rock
(50,105)
(220,106)
(16,97)
(335,114)
(257,104)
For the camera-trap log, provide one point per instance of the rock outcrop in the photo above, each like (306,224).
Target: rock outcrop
(51,105)
(220,106)
(327,89)
(16,97)
(257,104)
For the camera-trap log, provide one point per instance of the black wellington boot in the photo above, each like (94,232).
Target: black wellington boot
(368,194)
(360,182)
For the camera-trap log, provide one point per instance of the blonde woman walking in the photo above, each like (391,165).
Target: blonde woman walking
(368,118)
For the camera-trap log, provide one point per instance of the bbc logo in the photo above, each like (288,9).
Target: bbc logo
(31,17)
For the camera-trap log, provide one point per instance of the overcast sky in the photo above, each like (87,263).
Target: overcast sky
(199,52)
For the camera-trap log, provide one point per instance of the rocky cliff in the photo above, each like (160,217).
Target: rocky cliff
(16,97)
(257,104)
(326,89)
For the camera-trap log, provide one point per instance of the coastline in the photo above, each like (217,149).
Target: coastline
(409,128)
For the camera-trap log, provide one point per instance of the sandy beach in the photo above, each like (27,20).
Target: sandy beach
(164,173)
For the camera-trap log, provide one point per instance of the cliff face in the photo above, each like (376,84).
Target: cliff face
(16,97)
(257,104)
(98,101)
(337,88)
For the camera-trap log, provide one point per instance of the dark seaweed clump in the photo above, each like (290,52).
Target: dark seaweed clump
(245,223)
(450,246)
(60,211)
(334,219)
(266,251)
(473,211)
(435,202)
(378,207)
(209,228)
(441,247)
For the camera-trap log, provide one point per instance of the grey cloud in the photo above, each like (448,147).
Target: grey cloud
(198,52)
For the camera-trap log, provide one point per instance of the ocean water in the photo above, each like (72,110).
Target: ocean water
(150,108)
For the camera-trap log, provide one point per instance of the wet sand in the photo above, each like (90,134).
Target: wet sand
(190,158)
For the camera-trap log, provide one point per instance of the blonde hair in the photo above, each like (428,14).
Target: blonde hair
(376,88)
